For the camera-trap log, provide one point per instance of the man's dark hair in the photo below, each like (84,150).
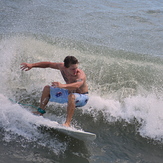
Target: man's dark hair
(69,60)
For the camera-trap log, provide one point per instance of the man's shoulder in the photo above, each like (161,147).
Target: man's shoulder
(55,65)
(81,72)
(60,66)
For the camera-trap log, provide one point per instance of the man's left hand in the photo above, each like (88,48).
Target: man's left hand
(57,84)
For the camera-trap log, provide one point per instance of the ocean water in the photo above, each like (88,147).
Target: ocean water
(119,46)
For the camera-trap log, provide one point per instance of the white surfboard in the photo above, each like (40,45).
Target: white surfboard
(78,134)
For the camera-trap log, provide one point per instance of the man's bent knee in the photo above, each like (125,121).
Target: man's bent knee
(71,97)
(47,87)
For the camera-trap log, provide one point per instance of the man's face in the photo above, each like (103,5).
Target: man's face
(73,69)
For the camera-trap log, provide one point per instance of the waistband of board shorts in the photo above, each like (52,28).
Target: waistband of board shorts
(81,93)
(85,93)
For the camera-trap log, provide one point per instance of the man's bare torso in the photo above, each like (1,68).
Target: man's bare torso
(69,78)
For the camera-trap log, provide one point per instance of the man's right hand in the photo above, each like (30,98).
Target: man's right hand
(26,66)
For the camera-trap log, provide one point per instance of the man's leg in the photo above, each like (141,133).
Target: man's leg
(44,98)
(70,109)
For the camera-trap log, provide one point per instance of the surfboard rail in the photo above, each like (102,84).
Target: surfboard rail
(78,134)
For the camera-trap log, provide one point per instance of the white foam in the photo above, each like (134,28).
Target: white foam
(15,120)
(148,111)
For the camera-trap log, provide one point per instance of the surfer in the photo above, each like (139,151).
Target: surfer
(74,92)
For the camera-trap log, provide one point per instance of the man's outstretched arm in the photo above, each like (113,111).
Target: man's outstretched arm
(28,66)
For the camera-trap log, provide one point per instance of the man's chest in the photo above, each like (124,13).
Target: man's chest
(68,77)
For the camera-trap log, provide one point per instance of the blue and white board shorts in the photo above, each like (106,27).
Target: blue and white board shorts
(60,95)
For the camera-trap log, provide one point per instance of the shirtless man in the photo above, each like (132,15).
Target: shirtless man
(74,92)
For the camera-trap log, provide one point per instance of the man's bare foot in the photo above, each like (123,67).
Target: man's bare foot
(66,125)
(37,113)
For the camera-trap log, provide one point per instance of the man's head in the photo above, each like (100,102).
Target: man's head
(71,64)
(70,60)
